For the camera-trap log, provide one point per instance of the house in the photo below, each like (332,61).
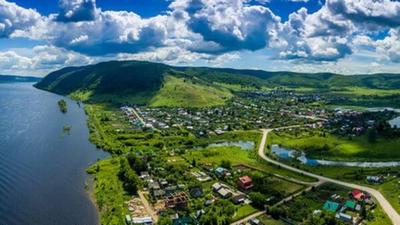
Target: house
(170,189)
(209,202)
(224,192)
(220,171)
(177,200)
(357,195)
(142,220)
(154,185)
(255,221)
(216,186)
(158,193)
(128,219)
(331,206)
(239,198)
(164,183)
(344,217)
(144,175)
(375,179)
(245,182)
(350,205)
(196,192)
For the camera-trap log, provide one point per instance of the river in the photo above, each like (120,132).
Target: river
(42,169)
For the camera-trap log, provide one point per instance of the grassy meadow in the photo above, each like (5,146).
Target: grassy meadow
(182,92)
(339,148)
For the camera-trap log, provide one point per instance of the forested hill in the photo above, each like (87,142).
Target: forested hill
(11,78)
(142,81)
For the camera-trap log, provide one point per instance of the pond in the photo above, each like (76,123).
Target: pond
(288,154)
(395,122)
(245,145)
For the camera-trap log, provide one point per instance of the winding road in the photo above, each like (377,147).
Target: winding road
(386,206)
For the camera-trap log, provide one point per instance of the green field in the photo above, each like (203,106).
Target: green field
(237,156)
(108,192)
(270,221)
(182,92)
(339,148)
(242,211)
(367,91)
(391,191)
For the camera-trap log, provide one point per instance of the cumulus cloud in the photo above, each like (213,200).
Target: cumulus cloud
(14,17)
(40,60)
(320,36)
(111,32)
(230,24)
(77,10)
(204,30)
(390,46)
(179,56)
(368,12)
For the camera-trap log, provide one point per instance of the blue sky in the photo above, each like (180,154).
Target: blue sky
(341,36)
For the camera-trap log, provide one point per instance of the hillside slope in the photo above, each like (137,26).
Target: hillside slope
(189,92)
(147,83)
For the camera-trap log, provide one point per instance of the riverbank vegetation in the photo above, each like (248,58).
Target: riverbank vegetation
(108,191)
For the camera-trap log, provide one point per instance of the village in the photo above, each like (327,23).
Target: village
(186,190)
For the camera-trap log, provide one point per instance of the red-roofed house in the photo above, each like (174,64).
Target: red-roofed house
(245,182)
(357,194)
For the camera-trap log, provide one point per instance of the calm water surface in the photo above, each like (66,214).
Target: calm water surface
(42,170)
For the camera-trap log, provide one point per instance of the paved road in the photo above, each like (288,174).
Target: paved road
(389,210)
(138,116)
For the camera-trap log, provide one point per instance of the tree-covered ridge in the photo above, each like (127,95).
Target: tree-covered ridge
(12,78)
(141,82)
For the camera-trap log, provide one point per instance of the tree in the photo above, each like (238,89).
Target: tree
(258,200)
(128,177)
(136,163)
(164,220)
(372,135)
(194,162)
(226,164)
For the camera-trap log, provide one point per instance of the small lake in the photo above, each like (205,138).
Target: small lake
(42,169)
(288,154)
(395,122)
(245,145)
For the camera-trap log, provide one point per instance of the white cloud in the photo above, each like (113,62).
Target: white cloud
(14,17)
(205,31)
(77,10)
(179,56)
(39,60)
(390,46)
(231,24)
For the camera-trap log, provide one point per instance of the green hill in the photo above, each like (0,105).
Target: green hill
(158,84)
(134,82)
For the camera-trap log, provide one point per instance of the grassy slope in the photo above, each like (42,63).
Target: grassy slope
(182,92)
(341,148)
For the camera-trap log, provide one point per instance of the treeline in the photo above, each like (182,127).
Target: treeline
(130,167)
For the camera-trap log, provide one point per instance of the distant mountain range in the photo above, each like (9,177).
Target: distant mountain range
(147,83)
(12,78)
